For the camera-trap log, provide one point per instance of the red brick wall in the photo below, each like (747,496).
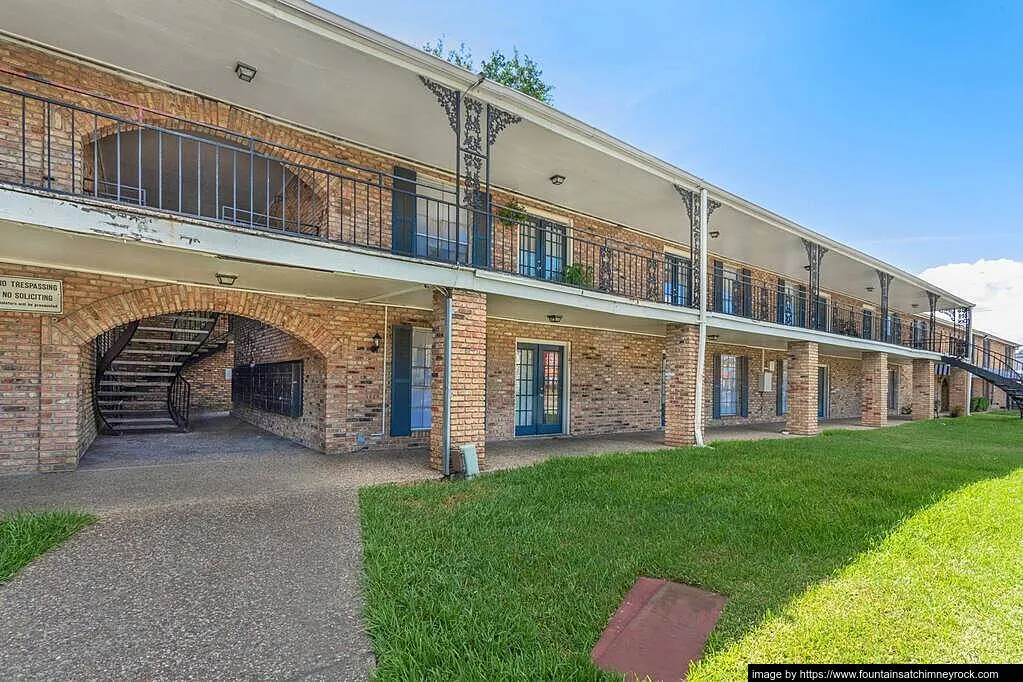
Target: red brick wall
(210,387)
(258,343)
(614,379)
(357,378)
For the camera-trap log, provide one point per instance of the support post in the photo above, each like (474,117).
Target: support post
(814,255)
(885,280)
(932,300)
(699,224)
(802,385)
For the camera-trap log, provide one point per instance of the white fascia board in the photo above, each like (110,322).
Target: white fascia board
(742,324)
(236,243)
(558,294)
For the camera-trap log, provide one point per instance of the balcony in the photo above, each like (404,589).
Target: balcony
(83,145)
(739,294)
(76,143)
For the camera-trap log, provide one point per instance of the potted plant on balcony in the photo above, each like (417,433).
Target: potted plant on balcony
(512,214)
(579,275)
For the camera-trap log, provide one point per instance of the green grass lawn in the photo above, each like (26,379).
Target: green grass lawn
(26,535)
(850,546)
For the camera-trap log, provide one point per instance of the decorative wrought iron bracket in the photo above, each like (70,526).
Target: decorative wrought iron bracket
(691,203)
(814,255)
(472,149)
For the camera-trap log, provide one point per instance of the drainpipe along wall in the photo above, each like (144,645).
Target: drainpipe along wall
(701,353)
(446,437)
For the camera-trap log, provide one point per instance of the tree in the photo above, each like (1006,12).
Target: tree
(520,71)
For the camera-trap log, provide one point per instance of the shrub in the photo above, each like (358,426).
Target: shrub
(980,404)
(956,411)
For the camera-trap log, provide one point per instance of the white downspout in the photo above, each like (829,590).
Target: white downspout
(446,434)
(701,349)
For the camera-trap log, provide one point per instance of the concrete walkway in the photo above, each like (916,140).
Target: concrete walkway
(234,566)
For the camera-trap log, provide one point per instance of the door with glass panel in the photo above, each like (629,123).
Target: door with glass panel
(543,250)
(539,389)
(823,392)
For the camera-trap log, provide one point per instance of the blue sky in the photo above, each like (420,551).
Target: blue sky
(891,126)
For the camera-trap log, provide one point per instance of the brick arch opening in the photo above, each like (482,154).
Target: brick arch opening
(67,420)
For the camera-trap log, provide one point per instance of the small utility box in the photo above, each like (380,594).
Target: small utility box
(767,382)
(470,461)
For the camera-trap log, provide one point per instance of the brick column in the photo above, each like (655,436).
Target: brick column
(468,375)
(681,346)
(923,389)
(802,383)
(874,396)
(61,396)
(958,391)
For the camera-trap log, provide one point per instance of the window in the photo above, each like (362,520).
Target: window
(893,390)
(823,313)
(676,279)
(411,379)
(729,290)
(437,235)
(786,304)
(272,387)
(422,372)
(543,248)
(729,386)
(782,406)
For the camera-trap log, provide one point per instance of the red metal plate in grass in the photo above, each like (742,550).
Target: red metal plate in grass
(658,630)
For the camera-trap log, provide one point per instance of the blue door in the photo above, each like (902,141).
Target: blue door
(539,389)
(823,393)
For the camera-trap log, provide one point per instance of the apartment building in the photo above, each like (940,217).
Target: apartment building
(262,207)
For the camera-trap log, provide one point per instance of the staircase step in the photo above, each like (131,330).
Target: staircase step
(137,374)
(165,341)
(147,351)
(180,330)
(172,363)
(140,420)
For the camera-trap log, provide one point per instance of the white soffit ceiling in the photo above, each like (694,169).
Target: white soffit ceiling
(312,79)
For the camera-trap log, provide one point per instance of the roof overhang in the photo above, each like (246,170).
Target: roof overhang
(320,71)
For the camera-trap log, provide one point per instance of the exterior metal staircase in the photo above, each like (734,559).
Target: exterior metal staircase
(1001,371)
(139,387)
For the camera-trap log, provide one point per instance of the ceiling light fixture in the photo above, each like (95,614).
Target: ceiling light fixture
(871,289)
(557,179)
(713,337)
(714,234)
(226,279)
(245,72)
(554,318)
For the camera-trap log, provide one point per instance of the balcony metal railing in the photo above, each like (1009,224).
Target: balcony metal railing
(63,139)
(771,301)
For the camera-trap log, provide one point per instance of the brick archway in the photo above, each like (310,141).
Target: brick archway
(66,407)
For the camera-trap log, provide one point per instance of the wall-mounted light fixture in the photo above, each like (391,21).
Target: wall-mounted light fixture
(554,318)
(225,279)
(375,345)
(557,179)
(713,337)
(714,234)
(245,72)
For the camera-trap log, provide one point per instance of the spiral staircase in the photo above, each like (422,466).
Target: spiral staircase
(139,384)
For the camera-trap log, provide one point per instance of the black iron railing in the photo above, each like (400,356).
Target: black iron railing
(738,293)
(179,400)
(84,144)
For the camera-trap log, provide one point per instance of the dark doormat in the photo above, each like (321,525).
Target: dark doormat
(658,630)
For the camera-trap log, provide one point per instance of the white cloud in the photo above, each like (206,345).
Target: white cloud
(996,286)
